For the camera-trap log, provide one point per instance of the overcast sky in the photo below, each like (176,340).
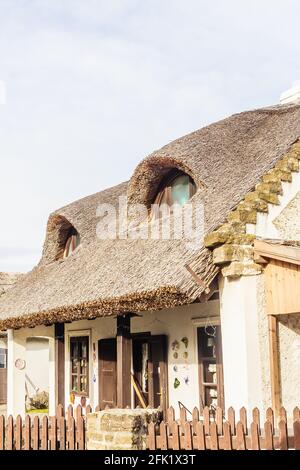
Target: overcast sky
(93,86)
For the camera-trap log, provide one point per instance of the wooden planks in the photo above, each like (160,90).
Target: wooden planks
(258,434)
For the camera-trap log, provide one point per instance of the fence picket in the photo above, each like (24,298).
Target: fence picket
(296,414)
(80,433)
(71,434)
(27,434)
(183,417)
(44,433)
(163,436)
(243,419)
(256,417)
(206,419)
(214,442)
(219,420)
(18,433)
(240,436)
(62,433)
(227,439)
(270,417)
(53,433)
(296,428)
(2,432)
(254,429)
(10,433)
(188,438)
(231,419)
(151,437)
(175,436)
(282,413)
(283,436)
(35,433)
(170,415)
(200,443)
(269,443)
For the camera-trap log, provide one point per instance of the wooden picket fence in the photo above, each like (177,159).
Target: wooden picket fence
(215,431)
(65,431)
(209,431)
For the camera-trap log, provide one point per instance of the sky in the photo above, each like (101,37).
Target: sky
(93,86)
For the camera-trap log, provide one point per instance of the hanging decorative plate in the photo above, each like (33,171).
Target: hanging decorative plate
(20,364)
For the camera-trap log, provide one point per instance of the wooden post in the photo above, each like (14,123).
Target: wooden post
(60,364)
(123,361)
(274,363)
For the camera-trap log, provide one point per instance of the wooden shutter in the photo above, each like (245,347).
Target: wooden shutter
(158,372)
(108,372)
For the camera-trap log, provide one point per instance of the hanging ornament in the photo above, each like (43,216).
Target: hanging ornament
(176,383)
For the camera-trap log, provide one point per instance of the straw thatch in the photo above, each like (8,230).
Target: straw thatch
(107,277)
(7,280)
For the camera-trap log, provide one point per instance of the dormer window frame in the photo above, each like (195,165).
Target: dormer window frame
(72,242)
(165,191)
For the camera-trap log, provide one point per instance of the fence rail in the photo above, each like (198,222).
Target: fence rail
(215,431)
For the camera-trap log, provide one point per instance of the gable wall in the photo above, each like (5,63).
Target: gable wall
(282,222)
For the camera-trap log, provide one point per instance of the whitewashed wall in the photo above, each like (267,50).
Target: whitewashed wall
(282,222)
(37,364)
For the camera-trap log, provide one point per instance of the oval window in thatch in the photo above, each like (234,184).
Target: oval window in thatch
(73,241)
(176,188)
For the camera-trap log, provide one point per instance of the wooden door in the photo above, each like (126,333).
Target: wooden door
(107,354)
(3,376)
(150,369)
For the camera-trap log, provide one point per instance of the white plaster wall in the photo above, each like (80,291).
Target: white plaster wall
(37,364)
(240,338)
(175,323)
(18,349)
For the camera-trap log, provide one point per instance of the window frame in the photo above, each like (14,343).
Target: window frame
(73,239)
(80,338)
(165,188)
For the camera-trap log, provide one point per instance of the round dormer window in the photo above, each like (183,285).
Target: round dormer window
(176,189)
(73,241)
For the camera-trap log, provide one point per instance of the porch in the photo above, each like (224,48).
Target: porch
(157,359)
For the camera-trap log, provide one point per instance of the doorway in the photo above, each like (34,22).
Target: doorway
(149,371)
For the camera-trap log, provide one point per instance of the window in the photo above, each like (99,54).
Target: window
(176,188)
(79,355)
(3,358)
(73,241)
(210,367)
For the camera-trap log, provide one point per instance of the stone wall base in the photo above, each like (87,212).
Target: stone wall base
(120,429)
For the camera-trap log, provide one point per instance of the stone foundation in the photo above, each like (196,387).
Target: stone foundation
(120,429)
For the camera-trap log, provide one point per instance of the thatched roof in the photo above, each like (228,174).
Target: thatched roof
(7,280)
(226,160)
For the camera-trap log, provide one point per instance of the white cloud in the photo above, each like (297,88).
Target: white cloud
(95,85)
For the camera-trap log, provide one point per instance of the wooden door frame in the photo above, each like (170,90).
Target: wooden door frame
(219,364)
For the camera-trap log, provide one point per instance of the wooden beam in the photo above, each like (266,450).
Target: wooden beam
(274,363)
(288,254)
(123,361)
(198,279)
(59,332)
